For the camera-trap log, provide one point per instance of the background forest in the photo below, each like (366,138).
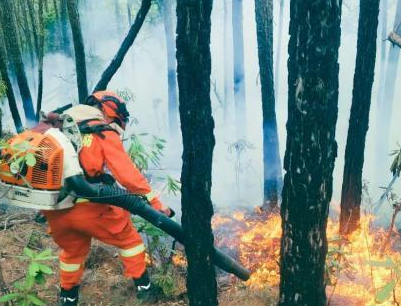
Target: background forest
(247,172)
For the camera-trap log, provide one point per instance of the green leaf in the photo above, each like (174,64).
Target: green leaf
(40,278)
(33,268)
(30,159)
(384,293)
(45,269)
(28,252)
(9,297)
(29,282)
(35,300)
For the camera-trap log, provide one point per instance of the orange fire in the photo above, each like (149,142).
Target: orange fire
(356,274)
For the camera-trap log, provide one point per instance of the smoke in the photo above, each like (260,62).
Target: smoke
(144,72)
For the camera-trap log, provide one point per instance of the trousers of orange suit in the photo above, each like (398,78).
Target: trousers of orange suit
(73,230)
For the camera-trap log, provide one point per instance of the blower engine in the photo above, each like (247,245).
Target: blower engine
(32,169)
(53,178)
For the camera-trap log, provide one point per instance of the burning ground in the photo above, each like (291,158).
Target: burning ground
(361,270)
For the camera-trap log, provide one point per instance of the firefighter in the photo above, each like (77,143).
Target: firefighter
(102,120)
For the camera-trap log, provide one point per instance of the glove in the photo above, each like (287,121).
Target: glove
(169,212)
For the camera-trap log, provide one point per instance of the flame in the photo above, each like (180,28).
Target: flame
(255,242)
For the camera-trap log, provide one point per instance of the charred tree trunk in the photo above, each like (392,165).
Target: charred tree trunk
(359,120)
(9,89)
(171,66)
(15,58)
(386,106)
(194,68)
(271,158)
(311,149)
(64,27)
(239,70)
(41,41)
(79,49)
(127,43)
(278,50)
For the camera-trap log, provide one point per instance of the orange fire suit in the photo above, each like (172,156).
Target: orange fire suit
(72,229)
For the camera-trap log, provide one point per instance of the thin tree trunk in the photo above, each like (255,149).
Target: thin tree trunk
(9,89)
(41,37)
(64,27)
(227,77)
(359,120)
(79,49)
(15,58)
(311,149)
(31,11)
(129,14)
(239,69)
(171,66)
(194,69)
(127,43)
(385,108)
(117,12)
(278,50)
(271,158)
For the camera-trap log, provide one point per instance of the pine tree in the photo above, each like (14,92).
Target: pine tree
(271,157)
(194,68)
(79,49)
(15,58)
(359,120)
(311,149)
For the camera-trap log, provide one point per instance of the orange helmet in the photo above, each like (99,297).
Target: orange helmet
(111,104)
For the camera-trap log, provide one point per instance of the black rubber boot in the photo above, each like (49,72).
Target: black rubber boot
(69,297)
(146,291)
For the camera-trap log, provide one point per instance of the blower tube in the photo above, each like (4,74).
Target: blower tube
(109,194)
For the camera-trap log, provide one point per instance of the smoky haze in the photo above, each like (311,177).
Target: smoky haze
(237,176)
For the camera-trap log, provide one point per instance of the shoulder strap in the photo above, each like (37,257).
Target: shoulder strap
(94,126)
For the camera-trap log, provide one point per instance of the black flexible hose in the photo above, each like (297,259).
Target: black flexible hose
(138,205)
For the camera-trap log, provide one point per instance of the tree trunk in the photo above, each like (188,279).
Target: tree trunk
(383,45)
(15,58)
(227,76)
(271,158)
(127,43)
(311,149)
(64,27)
(239,70)
(194,68)
(117,12)
(359,120)
(9,89)
(386,106)
(278,50)
(41,41)
(79,49)
(171,66)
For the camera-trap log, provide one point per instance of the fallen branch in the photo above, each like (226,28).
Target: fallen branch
(127,43)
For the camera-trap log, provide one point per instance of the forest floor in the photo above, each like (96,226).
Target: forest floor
(103,283)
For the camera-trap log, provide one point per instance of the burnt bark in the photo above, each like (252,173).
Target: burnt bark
(271,155)
(194,69)
(171,66)
(79,49)
(239,69)
(385,108)
(359,121)
(311,149)
(108,74)
(15,58)
(12,102)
